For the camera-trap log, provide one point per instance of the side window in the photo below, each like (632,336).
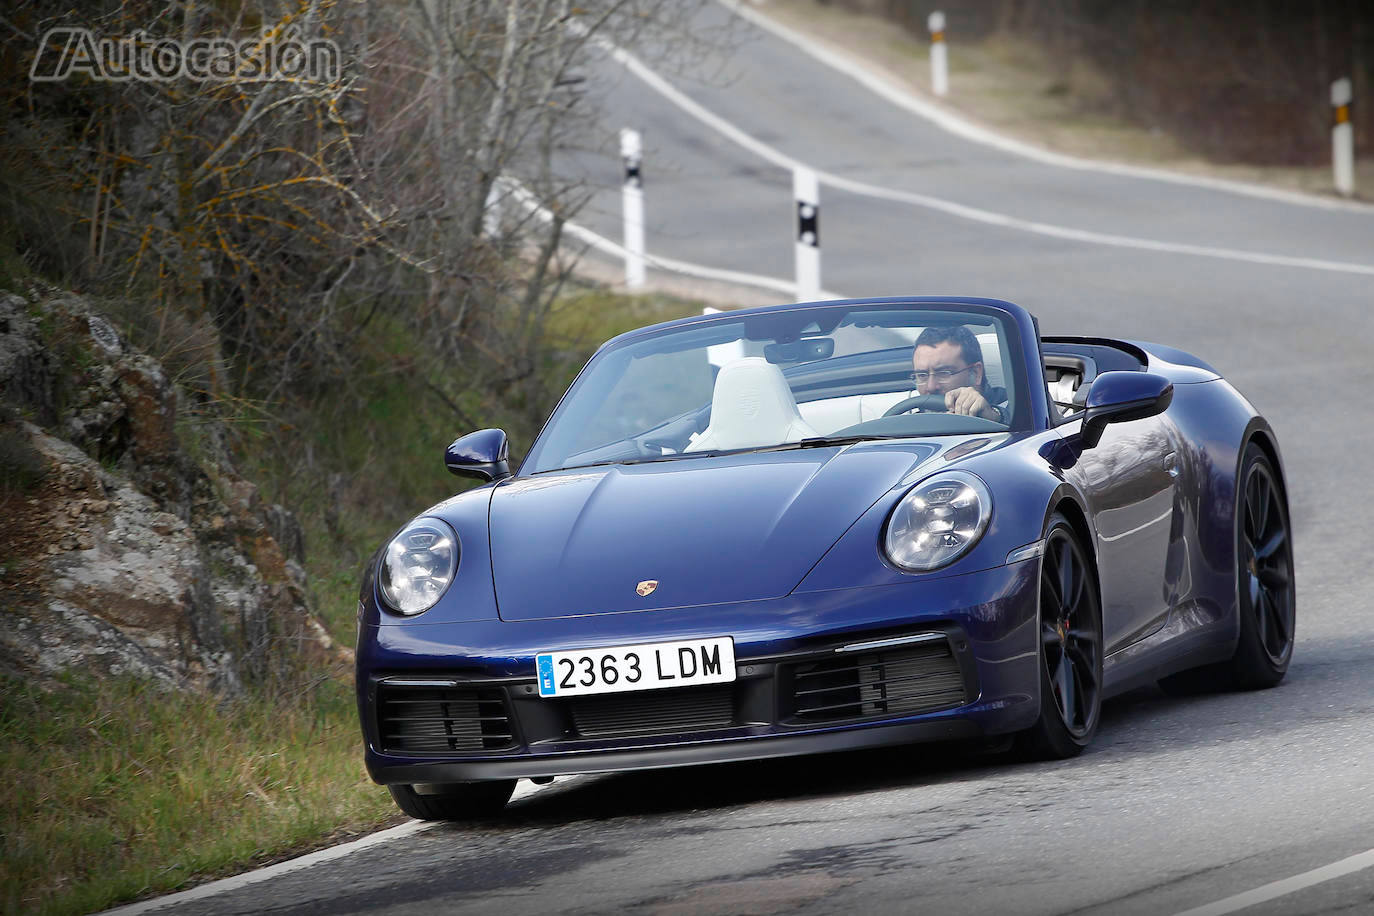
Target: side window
(993,369)
(1068,376)
(1000,383)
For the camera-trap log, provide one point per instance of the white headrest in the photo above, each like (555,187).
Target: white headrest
(751,406)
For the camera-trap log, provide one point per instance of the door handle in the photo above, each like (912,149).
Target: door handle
(1171,464)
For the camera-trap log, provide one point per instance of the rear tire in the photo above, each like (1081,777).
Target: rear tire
(454,802)
(1070,653)
(1266,598)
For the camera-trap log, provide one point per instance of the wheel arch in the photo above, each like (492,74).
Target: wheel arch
(1068,507)
(1069,503)
(1260,433)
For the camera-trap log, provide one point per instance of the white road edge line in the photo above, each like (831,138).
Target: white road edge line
(975,133)
(527,200)
(524,789)
(1286,886)
(782,160)
(225,885)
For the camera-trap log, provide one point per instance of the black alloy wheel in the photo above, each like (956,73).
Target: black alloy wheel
(1070,649)
(462,801)
(1266,593)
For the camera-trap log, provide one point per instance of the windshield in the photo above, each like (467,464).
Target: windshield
(790,378)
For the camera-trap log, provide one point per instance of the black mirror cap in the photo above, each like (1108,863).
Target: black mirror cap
(1122,396)
(484,454)
(806,350)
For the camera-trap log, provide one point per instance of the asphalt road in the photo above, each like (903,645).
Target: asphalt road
(1180,802)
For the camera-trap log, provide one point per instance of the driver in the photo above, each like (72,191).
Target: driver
(949,361)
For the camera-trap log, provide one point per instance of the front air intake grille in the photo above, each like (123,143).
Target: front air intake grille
(904,681)
(442,720)
(654,712)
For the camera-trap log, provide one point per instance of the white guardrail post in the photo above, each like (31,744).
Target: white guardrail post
(1342,138)
(491,213)
(806,190)
(939,57)
(633,197)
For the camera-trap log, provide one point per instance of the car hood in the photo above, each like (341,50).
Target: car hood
(706,530)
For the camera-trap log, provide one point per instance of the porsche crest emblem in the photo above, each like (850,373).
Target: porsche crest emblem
(646,587)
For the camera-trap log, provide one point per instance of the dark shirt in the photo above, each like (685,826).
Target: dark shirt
(997,397)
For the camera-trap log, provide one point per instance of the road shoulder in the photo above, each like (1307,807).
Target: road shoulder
(1002,94)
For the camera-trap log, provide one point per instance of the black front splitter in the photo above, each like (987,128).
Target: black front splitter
(724,751)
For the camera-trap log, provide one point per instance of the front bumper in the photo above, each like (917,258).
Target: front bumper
(458,702)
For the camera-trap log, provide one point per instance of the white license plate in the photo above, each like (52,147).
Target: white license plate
(650,666)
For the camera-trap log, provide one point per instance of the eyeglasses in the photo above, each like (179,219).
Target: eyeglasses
(941,374)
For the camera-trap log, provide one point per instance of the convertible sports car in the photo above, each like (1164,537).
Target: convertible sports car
(820,527)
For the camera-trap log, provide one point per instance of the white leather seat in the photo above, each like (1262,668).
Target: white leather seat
(750,407)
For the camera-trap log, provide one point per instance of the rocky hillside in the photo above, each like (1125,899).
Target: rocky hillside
(130,543)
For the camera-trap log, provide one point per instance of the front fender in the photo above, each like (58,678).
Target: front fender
(1023,483)
(471,596)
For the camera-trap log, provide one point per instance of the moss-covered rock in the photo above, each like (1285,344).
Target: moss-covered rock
(122,553)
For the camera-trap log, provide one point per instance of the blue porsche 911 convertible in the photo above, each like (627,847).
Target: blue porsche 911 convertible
(819,527)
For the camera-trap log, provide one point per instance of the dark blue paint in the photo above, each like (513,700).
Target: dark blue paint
(482,454)
(737,527)
(1119,397)
(1147,390)
(995,609)
(782,551)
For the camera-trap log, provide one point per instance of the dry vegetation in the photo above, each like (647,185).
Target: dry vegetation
(263,227)
(309,259)
(1234,83)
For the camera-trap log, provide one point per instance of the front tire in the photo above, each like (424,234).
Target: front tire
(1070,650)
(454,802)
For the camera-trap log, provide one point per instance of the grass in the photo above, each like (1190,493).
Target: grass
(126,792)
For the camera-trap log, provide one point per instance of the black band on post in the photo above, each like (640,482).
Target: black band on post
(808,224)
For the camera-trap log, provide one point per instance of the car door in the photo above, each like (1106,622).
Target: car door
(1129,479)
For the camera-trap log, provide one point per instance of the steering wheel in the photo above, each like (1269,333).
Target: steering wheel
(926,402)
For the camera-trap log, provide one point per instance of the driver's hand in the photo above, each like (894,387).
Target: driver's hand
(968,401)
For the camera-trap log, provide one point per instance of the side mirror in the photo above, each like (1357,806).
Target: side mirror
(1117,397)
(482,454)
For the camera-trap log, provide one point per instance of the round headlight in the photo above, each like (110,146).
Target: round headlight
(937,521)
(418,565)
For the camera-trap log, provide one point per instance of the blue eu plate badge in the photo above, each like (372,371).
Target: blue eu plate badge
(546,688)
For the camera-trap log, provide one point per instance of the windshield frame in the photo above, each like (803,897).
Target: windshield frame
(1028,405)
